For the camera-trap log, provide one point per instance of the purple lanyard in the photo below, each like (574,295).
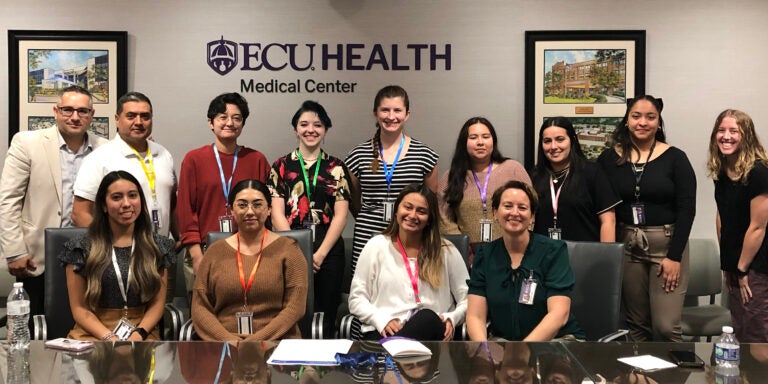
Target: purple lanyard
(484,188)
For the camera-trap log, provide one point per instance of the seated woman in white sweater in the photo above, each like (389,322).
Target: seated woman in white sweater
(409,281)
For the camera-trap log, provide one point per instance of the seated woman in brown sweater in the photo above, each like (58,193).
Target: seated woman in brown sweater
(253,284)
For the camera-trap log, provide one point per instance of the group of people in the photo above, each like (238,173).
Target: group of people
(407,279)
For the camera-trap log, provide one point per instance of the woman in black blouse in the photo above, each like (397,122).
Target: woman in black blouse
(576,199)
(117,273)
(657,186)
(310,189)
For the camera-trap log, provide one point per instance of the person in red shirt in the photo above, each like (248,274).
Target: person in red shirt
(208,172)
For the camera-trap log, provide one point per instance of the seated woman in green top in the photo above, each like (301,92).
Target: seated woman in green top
(521,281)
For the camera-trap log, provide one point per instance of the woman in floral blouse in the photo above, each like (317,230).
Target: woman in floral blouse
(310,189)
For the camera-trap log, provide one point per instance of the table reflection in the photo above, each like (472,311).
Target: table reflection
(452,362)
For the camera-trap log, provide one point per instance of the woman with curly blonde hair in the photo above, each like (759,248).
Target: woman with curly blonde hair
(739,167)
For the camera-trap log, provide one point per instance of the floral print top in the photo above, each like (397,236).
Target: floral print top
(287,182)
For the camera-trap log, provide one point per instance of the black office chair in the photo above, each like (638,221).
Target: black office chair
(56,320)
(349,326)
(178,309)
(311,325)
(461,242)
(596,296)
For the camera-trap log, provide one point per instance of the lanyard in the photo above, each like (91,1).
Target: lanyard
(226,186)
(150,379)
(484,188)
(556,196)
(149,172)
(224,352)
(413,275)
(639,175)
(389,172)
(247,286)
(487,351)
(308,186)
(123,287)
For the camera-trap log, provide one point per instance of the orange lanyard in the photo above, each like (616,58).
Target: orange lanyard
(245,285)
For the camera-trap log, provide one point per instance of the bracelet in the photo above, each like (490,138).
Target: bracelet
(741,273)
(142,332)
(108,336)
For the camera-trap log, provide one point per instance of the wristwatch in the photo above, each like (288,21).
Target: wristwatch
(142,332)
(741,273)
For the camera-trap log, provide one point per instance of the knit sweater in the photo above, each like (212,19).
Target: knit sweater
(471,208)
(277,297)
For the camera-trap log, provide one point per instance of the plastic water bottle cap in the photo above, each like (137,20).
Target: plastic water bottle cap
(727,329)
(18,285)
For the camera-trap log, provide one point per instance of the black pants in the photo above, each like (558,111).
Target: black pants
(424,325)
(328,282)
(35,287)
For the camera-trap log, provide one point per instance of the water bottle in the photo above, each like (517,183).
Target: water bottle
(727,358)
(18,335)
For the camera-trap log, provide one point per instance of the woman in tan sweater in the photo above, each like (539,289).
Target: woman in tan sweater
(253,284)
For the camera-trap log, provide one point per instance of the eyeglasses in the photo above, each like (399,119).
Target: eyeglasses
(244,205)
(237,119)
(69,111)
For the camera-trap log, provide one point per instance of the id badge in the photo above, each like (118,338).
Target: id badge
(156,219)
(225,223)
(389,209)
(638,213)
(555,233)
(528,291)
(124,329)
(486,230)
(244,322)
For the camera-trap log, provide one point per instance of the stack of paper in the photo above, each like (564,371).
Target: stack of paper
(308,352)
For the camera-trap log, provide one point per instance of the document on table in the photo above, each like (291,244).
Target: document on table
(308,352)
(647,362)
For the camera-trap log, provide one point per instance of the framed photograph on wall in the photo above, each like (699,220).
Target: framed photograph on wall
(41,63)
(586,76)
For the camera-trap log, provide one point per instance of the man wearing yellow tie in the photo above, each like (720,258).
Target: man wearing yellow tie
(131,151)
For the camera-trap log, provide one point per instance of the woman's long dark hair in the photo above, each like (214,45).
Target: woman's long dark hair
(146,257)
(622,135)
(461,163)
(576,157)
(388,92)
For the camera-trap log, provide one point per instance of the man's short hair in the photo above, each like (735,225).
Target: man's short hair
(132,96)
(75,89)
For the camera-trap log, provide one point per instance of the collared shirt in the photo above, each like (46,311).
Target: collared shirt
(70,164)
(118,155)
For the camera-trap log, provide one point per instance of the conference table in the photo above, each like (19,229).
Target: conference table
(451,362)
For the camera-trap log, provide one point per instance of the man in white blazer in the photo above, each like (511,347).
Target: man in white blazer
(36,188)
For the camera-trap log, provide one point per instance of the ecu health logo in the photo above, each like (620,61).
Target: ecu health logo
(222,55)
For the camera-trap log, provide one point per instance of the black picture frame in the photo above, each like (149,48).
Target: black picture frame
(565,91)
(31,89)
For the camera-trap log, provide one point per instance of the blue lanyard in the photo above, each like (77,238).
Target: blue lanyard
(228,184)
(389,172)
(224,352)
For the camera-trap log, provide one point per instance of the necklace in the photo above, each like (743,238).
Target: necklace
(560,175)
